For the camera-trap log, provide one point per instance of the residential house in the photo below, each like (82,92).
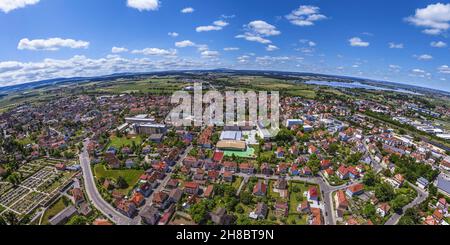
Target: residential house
(191,188)
(260,188)
(281,209)
(246,168)
(383,209)
(260,212)
(160,199)
(354,190)
(175,195)
(227,176)
(220,217)
(342,172)
(127,208)
(150,215)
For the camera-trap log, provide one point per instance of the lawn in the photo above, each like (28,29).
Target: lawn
(131,176)
(118,142)
(237,182)
(53,210)
(249,153)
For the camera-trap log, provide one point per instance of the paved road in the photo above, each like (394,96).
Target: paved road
(422,195)
(91,189)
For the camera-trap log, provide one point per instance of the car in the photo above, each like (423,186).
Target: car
(110,215)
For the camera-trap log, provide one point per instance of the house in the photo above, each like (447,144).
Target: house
(112,161)
(293,150)
(129,163)
(445,164)
(328,172)
(218,156)
(213,175)
(172,184)
(312,149)
(306,171)
(145,189)
(191,188)
(127,208)
(294,170)
(138,199)
(160,199)
(281,209)
(324,164)
(150,215)
(260,212)
(342,172)
(341,203)
(208,191)
(354,190)
(189,161)
(282,168)
(313,194)
(281,184)
(442,205)
(175,195)
(101,222)
(399,179)
(59,166)
(383,209)
(246,168)
(230,166)
(77,196)
(260,188)
(353,173)
(220,217)
(227,176)
(279,153)
(304,207)
(422,183)
(316,217)
(265,169)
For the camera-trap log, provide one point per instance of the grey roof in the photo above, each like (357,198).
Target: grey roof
(64,214)
(423,181)
(443,184)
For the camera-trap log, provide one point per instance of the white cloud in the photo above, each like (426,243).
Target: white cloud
(358,42)
(305,15)
(445,69)
(396,45)
(51,44)
(155,52)
(258,30)
(187,10)
(230,49)
(416,70)
(9,5)
(395,68)
(116,50)
(184,44)
(423,57)
(13,72)
(271,48)
(435,18)
(209,54)
(143,5)
(217,26)
(312,44)
(438,44)
(173,34)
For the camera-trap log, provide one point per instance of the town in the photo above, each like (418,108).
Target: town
(108,156)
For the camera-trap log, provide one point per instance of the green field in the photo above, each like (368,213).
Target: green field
(131,176)
(118,142)
(53,210)
(249,153)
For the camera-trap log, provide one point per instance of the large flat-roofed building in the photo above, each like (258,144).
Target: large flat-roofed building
(292,122)
(139,119)
(151,128)
(232,145)
(231,135)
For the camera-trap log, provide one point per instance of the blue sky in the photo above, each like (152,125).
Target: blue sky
(402,41)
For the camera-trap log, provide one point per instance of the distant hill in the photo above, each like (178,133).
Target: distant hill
(280,74)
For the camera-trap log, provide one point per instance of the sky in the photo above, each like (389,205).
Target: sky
(404,41)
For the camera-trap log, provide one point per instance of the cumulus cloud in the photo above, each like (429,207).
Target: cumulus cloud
(9,5)
(258,30)
(358,42)
(434,18)
(155,52)
(305,15)
(173,34)
(216,26)
(143,5)
(117,50)
(423,57)
(209,54)
(396,45)
(51,44)
(13,72)
(187,10)
(438,44)
(230,49)
(271,48)
(184,44)
(445,69)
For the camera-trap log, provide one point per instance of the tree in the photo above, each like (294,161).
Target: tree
(384,192)
(77,220)
(14,179)
(370,178)
(411,217)
(121,183)
(368,211)
(246,198)
(11,218)
(399,202)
